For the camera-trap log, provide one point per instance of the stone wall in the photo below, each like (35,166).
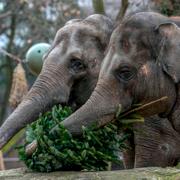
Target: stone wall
(133,174)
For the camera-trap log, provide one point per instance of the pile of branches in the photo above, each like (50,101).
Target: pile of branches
(59,150)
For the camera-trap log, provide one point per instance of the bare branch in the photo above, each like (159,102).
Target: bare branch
(3,28)
(145,109)
(6,14)
(122,11)
(13,57)
(98,6)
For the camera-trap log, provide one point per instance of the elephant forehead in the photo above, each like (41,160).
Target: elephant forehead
(79,28)
(111,62)
(76,43)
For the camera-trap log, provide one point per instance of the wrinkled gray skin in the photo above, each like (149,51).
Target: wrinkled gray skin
(69,72)
(142,64)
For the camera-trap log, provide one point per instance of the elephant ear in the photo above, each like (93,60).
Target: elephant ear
(170,49)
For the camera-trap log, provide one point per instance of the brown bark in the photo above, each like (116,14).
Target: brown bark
(98,6)
(122,11)
(2,167)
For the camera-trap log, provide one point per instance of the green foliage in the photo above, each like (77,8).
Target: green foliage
(170,8)
(59,150)
(164,9)
(176,11)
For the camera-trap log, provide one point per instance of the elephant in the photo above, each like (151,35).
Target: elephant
(69,73)
(141,65)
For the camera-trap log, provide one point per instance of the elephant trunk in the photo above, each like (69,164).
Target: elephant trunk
(45,92)
(98,110)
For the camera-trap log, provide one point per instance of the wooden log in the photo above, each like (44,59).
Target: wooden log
(152,173)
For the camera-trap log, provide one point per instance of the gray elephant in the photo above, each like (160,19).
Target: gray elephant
(142,64)
(69,73)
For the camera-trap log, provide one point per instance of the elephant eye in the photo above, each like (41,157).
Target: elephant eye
(125,73)
(77,65)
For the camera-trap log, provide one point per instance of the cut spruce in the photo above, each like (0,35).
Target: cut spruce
(59,150)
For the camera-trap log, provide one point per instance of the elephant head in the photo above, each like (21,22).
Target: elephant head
(69,73)
(142,64)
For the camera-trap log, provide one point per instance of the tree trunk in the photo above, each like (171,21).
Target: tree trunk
(122,11)
(98,6)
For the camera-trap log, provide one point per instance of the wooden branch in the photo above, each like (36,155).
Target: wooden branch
(122,11)
(98,6)
(2,166)
(3,28)
(144,108)
(13,57)
(6,14)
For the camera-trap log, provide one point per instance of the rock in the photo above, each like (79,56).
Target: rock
(151,173)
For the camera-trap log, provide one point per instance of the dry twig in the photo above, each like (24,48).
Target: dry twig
(145,107)
(13,57)
(4,15)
